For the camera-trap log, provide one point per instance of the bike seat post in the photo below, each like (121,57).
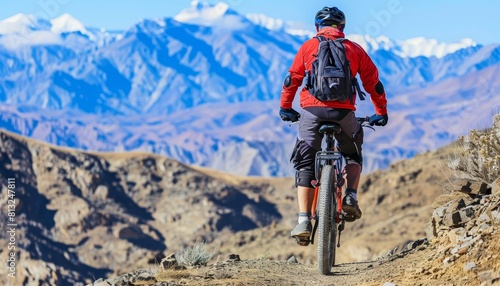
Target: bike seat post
(330,142)
(329,130)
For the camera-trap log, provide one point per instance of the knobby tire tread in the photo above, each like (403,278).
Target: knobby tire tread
(327,228)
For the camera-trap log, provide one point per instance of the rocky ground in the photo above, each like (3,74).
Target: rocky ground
(82,216)
(462,248)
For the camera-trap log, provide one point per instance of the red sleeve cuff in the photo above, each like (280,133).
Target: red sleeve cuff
(381,111)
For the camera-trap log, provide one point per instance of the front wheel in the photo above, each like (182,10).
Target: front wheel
(327,230)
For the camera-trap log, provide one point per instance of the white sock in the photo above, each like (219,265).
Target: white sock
(303,216)
(353,193)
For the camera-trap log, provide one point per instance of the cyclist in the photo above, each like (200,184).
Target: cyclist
(330,23)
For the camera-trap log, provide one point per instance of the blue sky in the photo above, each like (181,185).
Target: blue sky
(444,20)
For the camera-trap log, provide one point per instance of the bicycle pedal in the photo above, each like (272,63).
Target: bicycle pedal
(302,241)
(349,218)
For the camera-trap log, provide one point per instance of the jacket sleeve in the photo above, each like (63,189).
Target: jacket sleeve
(368,73)
(296,74)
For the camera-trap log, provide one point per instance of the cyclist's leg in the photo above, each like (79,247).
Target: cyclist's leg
(304,155)
(350,143)
(303,159)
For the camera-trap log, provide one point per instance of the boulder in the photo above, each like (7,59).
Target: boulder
(71,213)
(471,187)
(459,217)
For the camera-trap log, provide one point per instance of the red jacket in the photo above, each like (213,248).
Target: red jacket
(360,62)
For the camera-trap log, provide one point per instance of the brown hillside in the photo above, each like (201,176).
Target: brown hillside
(85,215)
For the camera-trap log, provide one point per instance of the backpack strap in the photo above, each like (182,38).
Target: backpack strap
(334,52)
(339,44)
(320,38)
(361,94)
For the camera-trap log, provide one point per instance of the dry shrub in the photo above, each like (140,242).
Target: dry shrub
(195,256)
(477,156)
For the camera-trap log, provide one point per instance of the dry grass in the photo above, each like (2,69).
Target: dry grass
(208,275)
(174,274)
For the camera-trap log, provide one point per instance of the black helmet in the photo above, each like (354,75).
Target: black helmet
(329,16)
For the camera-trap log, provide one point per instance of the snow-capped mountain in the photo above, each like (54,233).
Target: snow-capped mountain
(21,30)
(273,24)
(139,70)
(68,24)
(155,59)
(409,48)
(219,15)
(23,24)
(27,32)
(203,87)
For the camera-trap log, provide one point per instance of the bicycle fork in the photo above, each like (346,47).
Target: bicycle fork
(339,220)
(338,194)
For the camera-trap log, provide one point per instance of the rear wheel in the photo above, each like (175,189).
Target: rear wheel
(327,228)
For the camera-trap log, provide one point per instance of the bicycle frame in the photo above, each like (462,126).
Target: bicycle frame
(329,156)
(327,212)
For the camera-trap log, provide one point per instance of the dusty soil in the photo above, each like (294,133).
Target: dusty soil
(417,267)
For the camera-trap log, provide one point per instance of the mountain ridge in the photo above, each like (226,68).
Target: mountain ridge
(166,69)
(249,139)
(200,13)
(183,60)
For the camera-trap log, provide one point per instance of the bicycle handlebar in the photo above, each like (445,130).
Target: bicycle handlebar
(365,122)
(362,120)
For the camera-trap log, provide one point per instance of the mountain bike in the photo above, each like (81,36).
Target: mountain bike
(327,204)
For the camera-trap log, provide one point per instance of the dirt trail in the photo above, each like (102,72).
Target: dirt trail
(397,269)
(462,248)
(411,268)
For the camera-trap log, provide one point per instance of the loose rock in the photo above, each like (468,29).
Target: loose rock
(144,277)
(233,258)
(292,259)
(470,266)
(169,261)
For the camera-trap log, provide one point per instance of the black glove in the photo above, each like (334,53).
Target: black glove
(289,114)
(379,120)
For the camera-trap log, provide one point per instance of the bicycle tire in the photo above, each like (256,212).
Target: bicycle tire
(327,227)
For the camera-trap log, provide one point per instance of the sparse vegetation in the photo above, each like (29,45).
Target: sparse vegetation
(173,274)
(478,155)
(265,256)
(197,255)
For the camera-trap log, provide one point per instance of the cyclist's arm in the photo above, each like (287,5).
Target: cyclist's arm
(368,73)
(293,80)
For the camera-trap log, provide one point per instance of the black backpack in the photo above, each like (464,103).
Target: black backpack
(330,77)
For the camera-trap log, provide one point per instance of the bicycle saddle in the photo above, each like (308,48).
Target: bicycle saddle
(330,128)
